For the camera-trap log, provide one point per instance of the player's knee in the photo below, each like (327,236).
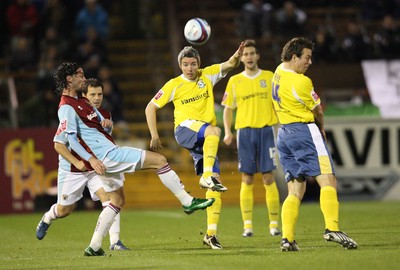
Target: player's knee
(248,179)
(154,160)
(120,202)
(103,196)
(213,130)
(160,160)
(268,178)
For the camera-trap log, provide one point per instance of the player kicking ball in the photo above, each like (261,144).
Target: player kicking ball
(78,118)
(81,175)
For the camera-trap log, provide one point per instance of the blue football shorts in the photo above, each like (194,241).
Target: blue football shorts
(256,150)
(190,135)
(303,151)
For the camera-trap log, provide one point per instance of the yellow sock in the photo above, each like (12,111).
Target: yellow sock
(210,149)
(330,207)
(290,213)
(213,212)
(273,204)
(246,205)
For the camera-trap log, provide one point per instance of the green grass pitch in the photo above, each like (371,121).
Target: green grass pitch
(169,239)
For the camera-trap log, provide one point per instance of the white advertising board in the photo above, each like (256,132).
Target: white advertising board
(366,153)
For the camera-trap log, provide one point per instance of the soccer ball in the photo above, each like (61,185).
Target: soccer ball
(197,31)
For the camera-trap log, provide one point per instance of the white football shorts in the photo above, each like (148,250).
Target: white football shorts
(70,186)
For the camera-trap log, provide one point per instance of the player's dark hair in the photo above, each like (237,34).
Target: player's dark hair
(189,52)
(91,82)
(296,46)
(251,43)
(60,76)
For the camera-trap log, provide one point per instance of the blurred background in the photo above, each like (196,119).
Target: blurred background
(132,47)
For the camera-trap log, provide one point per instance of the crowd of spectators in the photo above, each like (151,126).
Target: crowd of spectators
(41,34)
(372,32)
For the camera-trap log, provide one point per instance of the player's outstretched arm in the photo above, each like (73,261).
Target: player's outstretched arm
(151,118)
(233,61)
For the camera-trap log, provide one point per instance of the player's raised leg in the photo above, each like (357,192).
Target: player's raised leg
(172,181)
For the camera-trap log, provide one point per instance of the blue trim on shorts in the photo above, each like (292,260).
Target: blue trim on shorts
(200,134)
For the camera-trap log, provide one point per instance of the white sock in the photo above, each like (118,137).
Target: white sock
(51,215)
(115,226)
(171,180)
(104,222)
(115,229)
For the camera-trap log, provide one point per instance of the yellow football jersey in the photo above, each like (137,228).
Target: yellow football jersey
(293,96)
(252,98)
(192,99)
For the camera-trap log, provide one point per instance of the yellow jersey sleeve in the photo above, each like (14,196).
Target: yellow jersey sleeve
(165,94)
